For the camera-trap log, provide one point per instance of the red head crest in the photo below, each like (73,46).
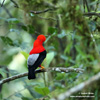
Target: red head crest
(41,37)
(38,45)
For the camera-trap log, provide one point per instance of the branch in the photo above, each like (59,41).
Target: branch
(97,5)
(38,12)
(2,3)
(92,14)
(79,87)
(7,11)
(84,5)
(57,69)
(16,5)
(87,5)
(49,18)
(48,4)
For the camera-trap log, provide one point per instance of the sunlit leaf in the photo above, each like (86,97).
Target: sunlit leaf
(49,58)
(96,36)
(62,34)
(25,54)
(43,90)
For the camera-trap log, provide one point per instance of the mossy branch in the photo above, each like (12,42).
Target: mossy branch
(78,88)
(57,69)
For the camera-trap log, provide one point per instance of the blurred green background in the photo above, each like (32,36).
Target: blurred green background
(72,29)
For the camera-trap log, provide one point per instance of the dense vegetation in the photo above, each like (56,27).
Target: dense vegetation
(72,29)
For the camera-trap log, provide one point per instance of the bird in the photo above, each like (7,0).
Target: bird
(36,56)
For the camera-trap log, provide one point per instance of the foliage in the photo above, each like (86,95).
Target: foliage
(73,40)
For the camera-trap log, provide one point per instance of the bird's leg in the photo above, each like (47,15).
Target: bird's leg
(41,67)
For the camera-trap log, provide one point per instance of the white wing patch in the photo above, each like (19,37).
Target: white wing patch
(32,59)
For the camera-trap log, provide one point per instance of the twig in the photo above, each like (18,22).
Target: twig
(92,14)
(48,4)
(2,3)
(7,11)
(57,69)
(15,93)
(39,12)
(79,87)
(87,5)
(49,18)
(97,5)
(84,5)
(16,5)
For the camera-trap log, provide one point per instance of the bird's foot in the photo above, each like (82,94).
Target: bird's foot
(42,68)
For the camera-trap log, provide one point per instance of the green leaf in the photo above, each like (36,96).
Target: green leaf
(23,45)
(44,90)
(7,40)
(92,25)
(1,96)
(40,84)
(14,30)
(3,38)
(60,76)
(56,84)
(25,98)
(79,50)
(96,94)
(68,48)
(49,58)
(31,29)
(31,14)
(51,30)
(24,27)
(63,34)
(13,72)
(64,57)
(2,72)
(18,95)
(15,20)
(2,18)
(96,36)
(16,43)
(51,36)
(25,54)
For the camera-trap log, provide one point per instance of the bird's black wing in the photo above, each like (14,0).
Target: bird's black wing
(37,62)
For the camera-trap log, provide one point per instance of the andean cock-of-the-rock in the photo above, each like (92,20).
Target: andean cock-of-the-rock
(36,56)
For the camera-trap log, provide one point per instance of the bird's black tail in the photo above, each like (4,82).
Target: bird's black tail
(31,73)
